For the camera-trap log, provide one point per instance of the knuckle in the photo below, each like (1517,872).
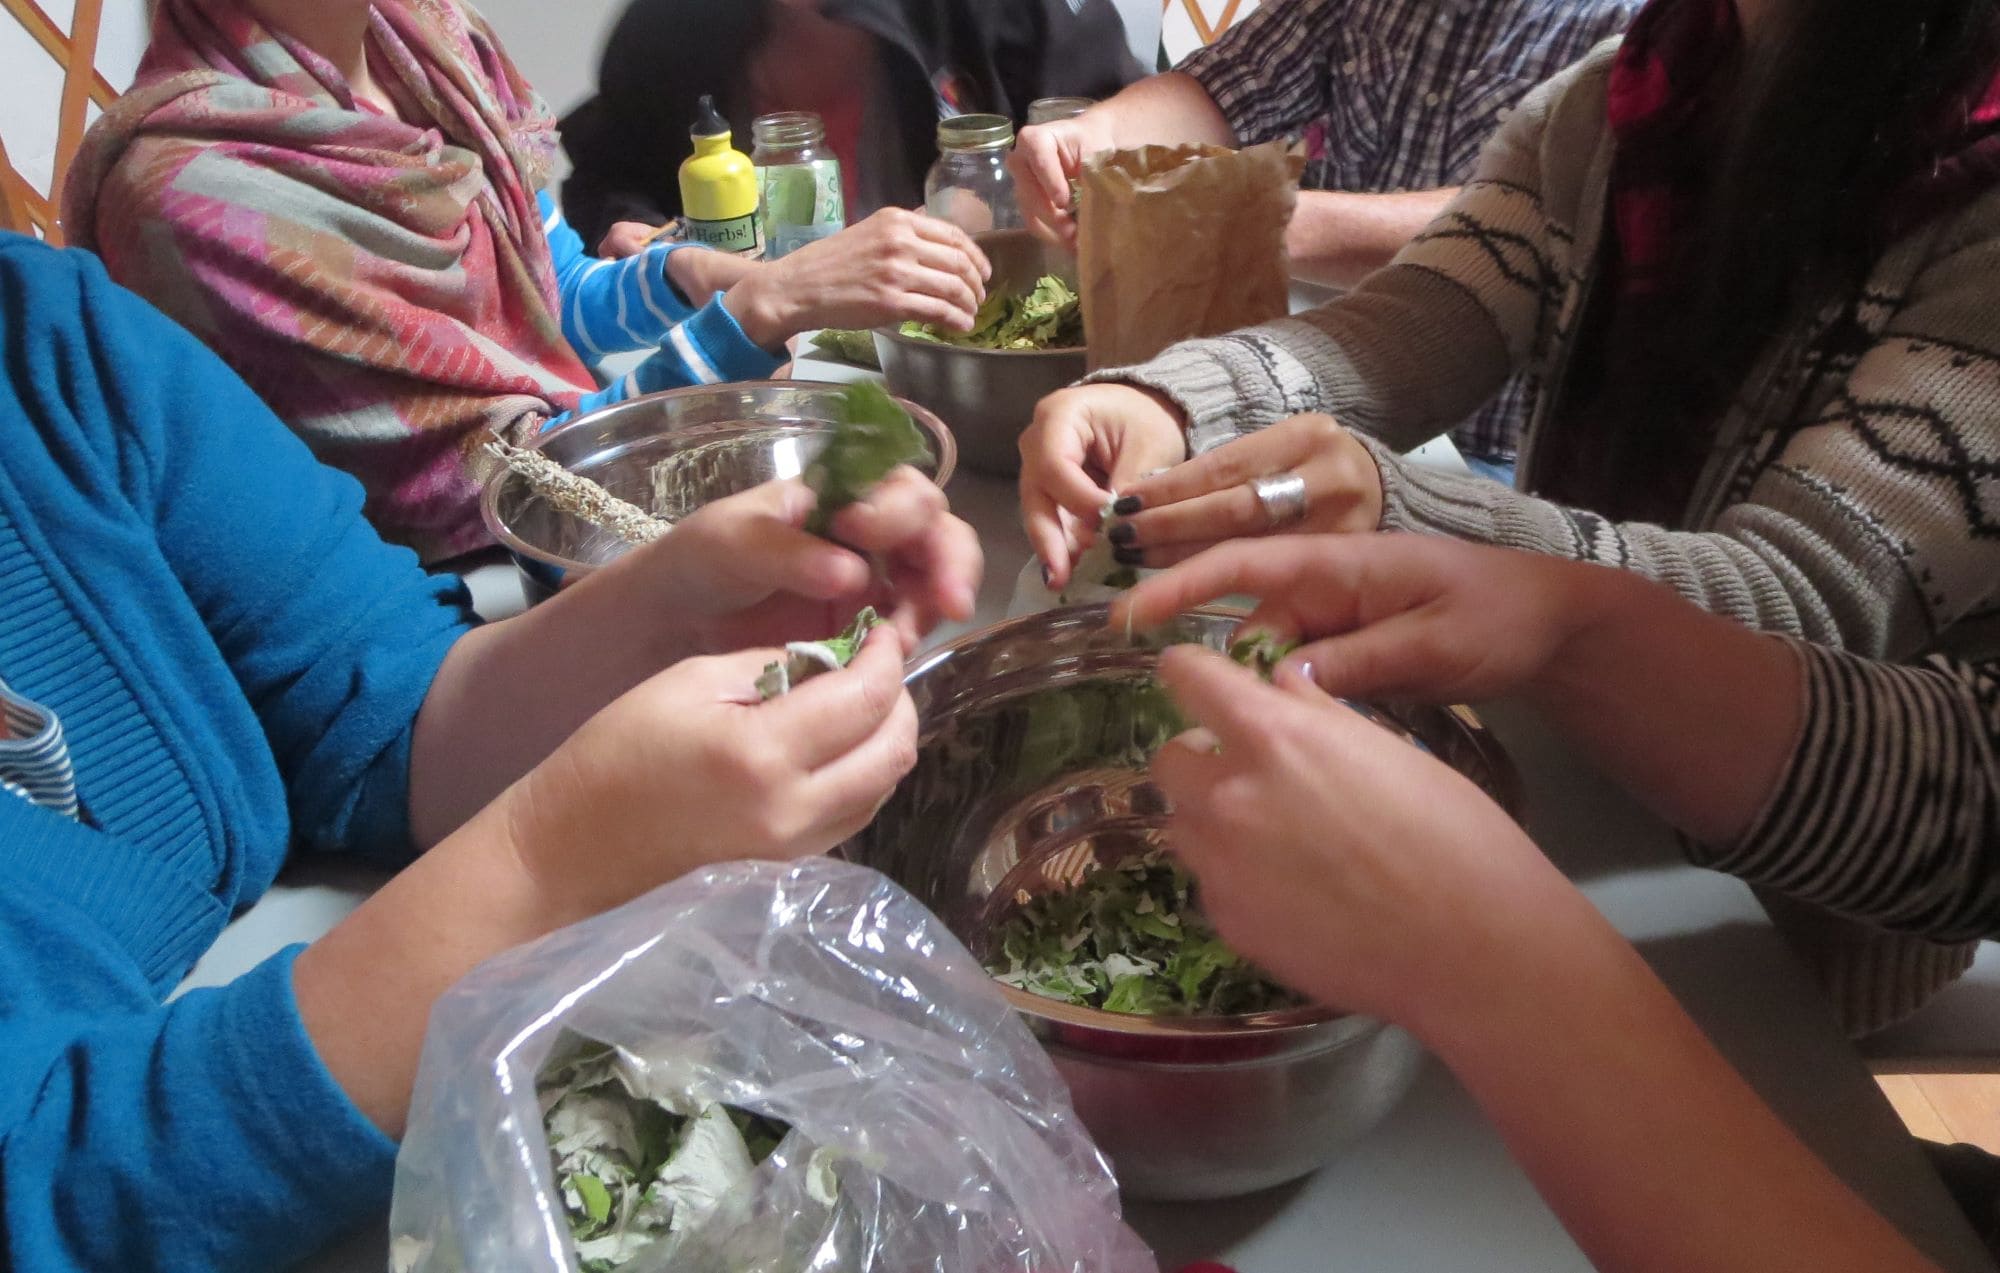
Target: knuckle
(1320,430)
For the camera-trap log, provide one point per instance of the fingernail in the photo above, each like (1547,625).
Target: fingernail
(1122,533)
(1306,671)
(1126,505)
(1129,556)
(1048,581)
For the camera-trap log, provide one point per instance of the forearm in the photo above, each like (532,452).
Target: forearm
(1693,713)
(1656,1156)
(365,989)
(510,692)
(1338,238)
(1166,109)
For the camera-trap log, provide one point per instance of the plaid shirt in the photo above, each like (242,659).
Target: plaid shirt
(1393,95)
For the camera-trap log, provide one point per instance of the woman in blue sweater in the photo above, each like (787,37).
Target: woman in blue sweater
(209,658)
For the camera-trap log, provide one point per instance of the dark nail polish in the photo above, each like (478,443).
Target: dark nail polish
(1129,556)
(1125,506)
(1122,534)
(1047,580)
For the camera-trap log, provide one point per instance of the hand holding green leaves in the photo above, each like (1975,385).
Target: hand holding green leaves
(873,436)
(1394,615)
(606,817)
(1354,866)
(806,659)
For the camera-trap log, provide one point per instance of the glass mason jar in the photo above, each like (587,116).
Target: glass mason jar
(798,181)
(1047,110)
(969,185)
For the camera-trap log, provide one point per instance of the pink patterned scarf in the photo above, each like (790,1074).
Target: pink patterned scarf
(384,285)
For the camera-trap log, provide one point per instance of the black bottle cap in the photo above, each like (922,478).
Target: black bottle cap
(709,121)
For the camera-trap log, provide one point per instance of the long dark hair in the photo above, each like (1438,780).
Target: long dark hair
(1833,108)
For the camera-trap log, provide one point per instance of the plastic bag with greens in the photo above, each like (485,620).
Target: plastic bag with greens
(761,1068)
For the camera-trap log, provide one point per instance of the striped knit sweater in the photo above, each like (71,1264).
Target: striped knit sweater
(1888,813)
(1847,498)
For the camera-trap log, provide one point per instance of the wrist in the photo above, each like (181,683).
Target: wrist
(1586,604)
(766,315)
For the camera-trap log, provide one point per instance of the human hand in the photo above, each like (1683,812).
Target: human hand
(742,571)
(1084,444)
(893,267)
(626,238)
(1417,617)
(1045,160)
(690,769)
(1209,499)
(1347,863)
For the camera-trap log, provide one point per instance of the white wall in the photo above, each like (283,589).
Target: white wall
(556,43)
(33,90)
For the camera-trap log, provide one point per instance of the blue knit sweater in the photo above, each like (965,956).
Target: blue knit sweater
(238,661)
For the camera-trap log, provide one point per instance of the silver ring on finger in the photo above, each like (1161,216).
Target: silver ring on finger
(1282,496)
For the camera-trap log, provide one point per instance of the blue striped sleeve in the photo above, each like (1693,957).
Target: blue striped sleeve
(707,349)
(617,306)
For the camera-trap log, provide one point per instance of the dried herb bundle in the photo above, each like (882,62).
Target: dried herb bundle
(579,496)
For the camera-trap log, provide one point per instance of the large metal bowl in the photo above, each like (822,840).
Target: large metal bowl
(723,439)
(1033,743)
(987,395)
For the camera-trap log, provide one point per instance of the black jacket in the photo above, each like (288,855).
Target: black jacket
(937,56)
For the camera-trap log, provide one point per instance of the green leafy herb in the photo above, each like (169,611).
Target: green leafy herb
(806,659)
(1261,652)
(857,347)
(1130,938)
(635,1167)
(872,437)
(1048,316)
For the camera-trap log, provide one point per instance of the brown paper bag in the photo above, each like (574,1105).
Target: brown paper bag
(1181,241)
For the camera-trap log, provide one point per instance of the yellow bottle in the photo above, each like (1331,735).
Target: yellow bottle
(719,187)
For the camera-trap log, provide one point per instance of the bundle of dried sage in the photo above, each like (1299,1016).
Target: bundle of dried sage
(579,496)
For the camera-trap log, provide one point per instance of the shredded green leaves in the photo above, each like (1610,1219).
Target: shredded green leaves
(857,347)
(1130,938)
(806,659)
(1049,316)
(873,435)
(634,1167)
(1261,652)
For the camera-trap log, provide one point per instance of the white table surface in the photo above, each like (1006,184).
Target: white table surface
(1432,1190)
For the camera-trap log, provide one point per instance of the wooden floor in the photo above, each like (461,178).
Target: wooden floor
(1948,1107)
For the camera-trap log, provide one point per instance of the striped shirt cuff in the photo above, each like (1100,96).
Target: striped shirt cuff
(1889,802)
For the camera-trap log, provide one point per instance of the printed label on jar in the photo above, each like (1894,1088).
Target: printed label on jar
(799,203)
(738,234)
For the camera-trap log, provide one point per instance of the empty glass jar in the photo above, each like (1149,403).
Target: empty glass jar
(969,185)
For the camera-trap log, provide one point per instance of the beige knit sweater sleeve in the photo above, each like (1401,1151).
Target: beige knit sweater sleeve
(1874,526)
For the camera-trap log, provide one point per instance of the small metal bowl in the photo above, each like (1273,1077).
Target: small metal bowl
(1034,737)
(987,395)
(724,438)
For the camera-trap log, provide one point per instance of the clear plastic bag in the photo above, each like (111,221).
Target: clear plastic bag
(818,994)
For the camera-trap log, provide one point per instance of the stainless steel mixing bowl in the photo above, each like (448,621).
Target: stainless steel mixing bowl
(1033,743)
(721,439)
(987,395)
